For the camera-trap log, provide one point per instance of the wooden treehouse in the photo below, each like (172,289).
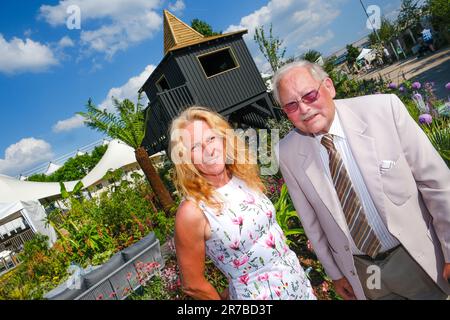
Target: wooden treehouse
(216,72)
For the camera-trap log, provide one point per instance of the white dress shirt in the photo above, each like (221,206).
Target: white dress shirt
(387,240)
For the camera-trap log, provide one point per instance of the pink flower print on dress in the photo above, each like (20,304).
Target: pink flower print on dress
(244,279)
(277,291)
(270,242)
(263,277)
(269,214)
(235,245)
(238,221)
(237,263)
(278,275)
(221,258)
(250,199)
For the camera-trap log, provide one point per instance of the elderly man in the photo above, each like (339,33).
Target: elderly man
(372,193)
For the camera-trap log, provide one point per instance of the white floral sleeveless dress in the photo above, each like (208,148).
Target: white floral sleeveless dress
(248,246)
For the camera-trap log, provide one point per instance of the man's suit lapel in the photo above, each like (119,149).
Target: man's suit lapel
(364,152)
(313,167)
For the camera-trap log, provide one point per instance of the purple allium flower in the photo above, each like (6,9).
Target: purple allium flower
(447,86)
(425,118)
(416,85)
(417,96)
(392,86)
(401,89)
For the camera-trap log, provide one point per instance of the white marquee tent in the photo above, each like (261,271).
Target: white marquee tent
(32,211)
(21,198)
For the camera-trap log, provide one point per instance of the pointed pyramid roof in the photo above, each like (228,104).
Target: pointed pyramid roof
(177,33)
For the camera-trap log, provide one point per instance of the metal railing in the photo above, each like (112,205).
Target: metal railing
(16,242)
(176,99)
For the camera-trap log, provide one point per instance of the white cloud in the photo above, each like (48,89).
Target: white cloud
(123,23)
(315,41)
(65,42)
(177,6)
(69,124)
(24,154)
(129,90)
(18,55)
(294,22)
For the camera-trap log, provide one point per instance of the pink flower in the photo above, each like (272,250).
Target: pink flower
(325,287)
(238,221)
(100,297)
(237,263)
(309,245)
(221,258)
(269,214)
(112,295)
(235,245)
(263,277)
(250,199)
(244,279)
(270,242)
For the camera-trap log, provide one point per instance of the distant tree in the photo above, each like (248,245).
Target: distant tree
(311,55)
(270,47)
(409,15)
(440,16)
(352,54)
(386,32)
(74,168)
(203,28)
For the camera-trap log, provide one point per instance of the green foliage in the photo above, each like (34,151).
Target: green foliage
(352,54)
(270,47)
(90,232)
(311,56)
(409,15)
(386,32)
(439,134)
(127,124)
(286,213)
(203,28)
(74,168)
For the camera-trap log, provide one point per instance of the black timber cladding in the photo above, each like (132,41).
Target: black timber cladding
(227,89)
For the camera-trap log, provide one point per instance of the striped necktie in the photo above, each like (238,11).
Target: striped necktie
(360,230)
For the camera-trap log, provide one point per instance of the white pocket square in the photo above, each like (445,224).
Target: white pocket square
(386,165)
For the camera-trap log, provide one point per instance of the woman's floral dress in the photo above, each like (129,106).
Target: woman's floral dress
(248,246)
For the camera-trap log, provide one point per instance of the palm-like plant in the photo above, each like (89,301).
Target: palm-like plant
(128,125)
(311,56)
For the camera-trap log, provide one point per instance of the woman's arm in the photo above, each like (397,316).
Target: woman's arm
(190,226)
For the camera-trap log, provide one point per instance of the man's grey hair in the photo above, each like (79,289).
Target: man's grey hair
(315,70)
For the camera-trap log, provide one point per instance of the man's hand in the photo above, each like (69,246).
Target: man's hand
(446,273)
(344,289)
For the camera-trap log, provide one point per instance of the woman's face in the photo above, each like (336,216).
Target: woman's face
(206,148)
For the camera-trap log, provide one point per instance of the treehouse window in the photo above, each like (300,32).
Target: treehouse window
(217,62)
(162,84)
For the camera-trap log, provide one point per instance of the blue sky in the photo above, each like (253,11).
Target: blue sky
(48,71)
